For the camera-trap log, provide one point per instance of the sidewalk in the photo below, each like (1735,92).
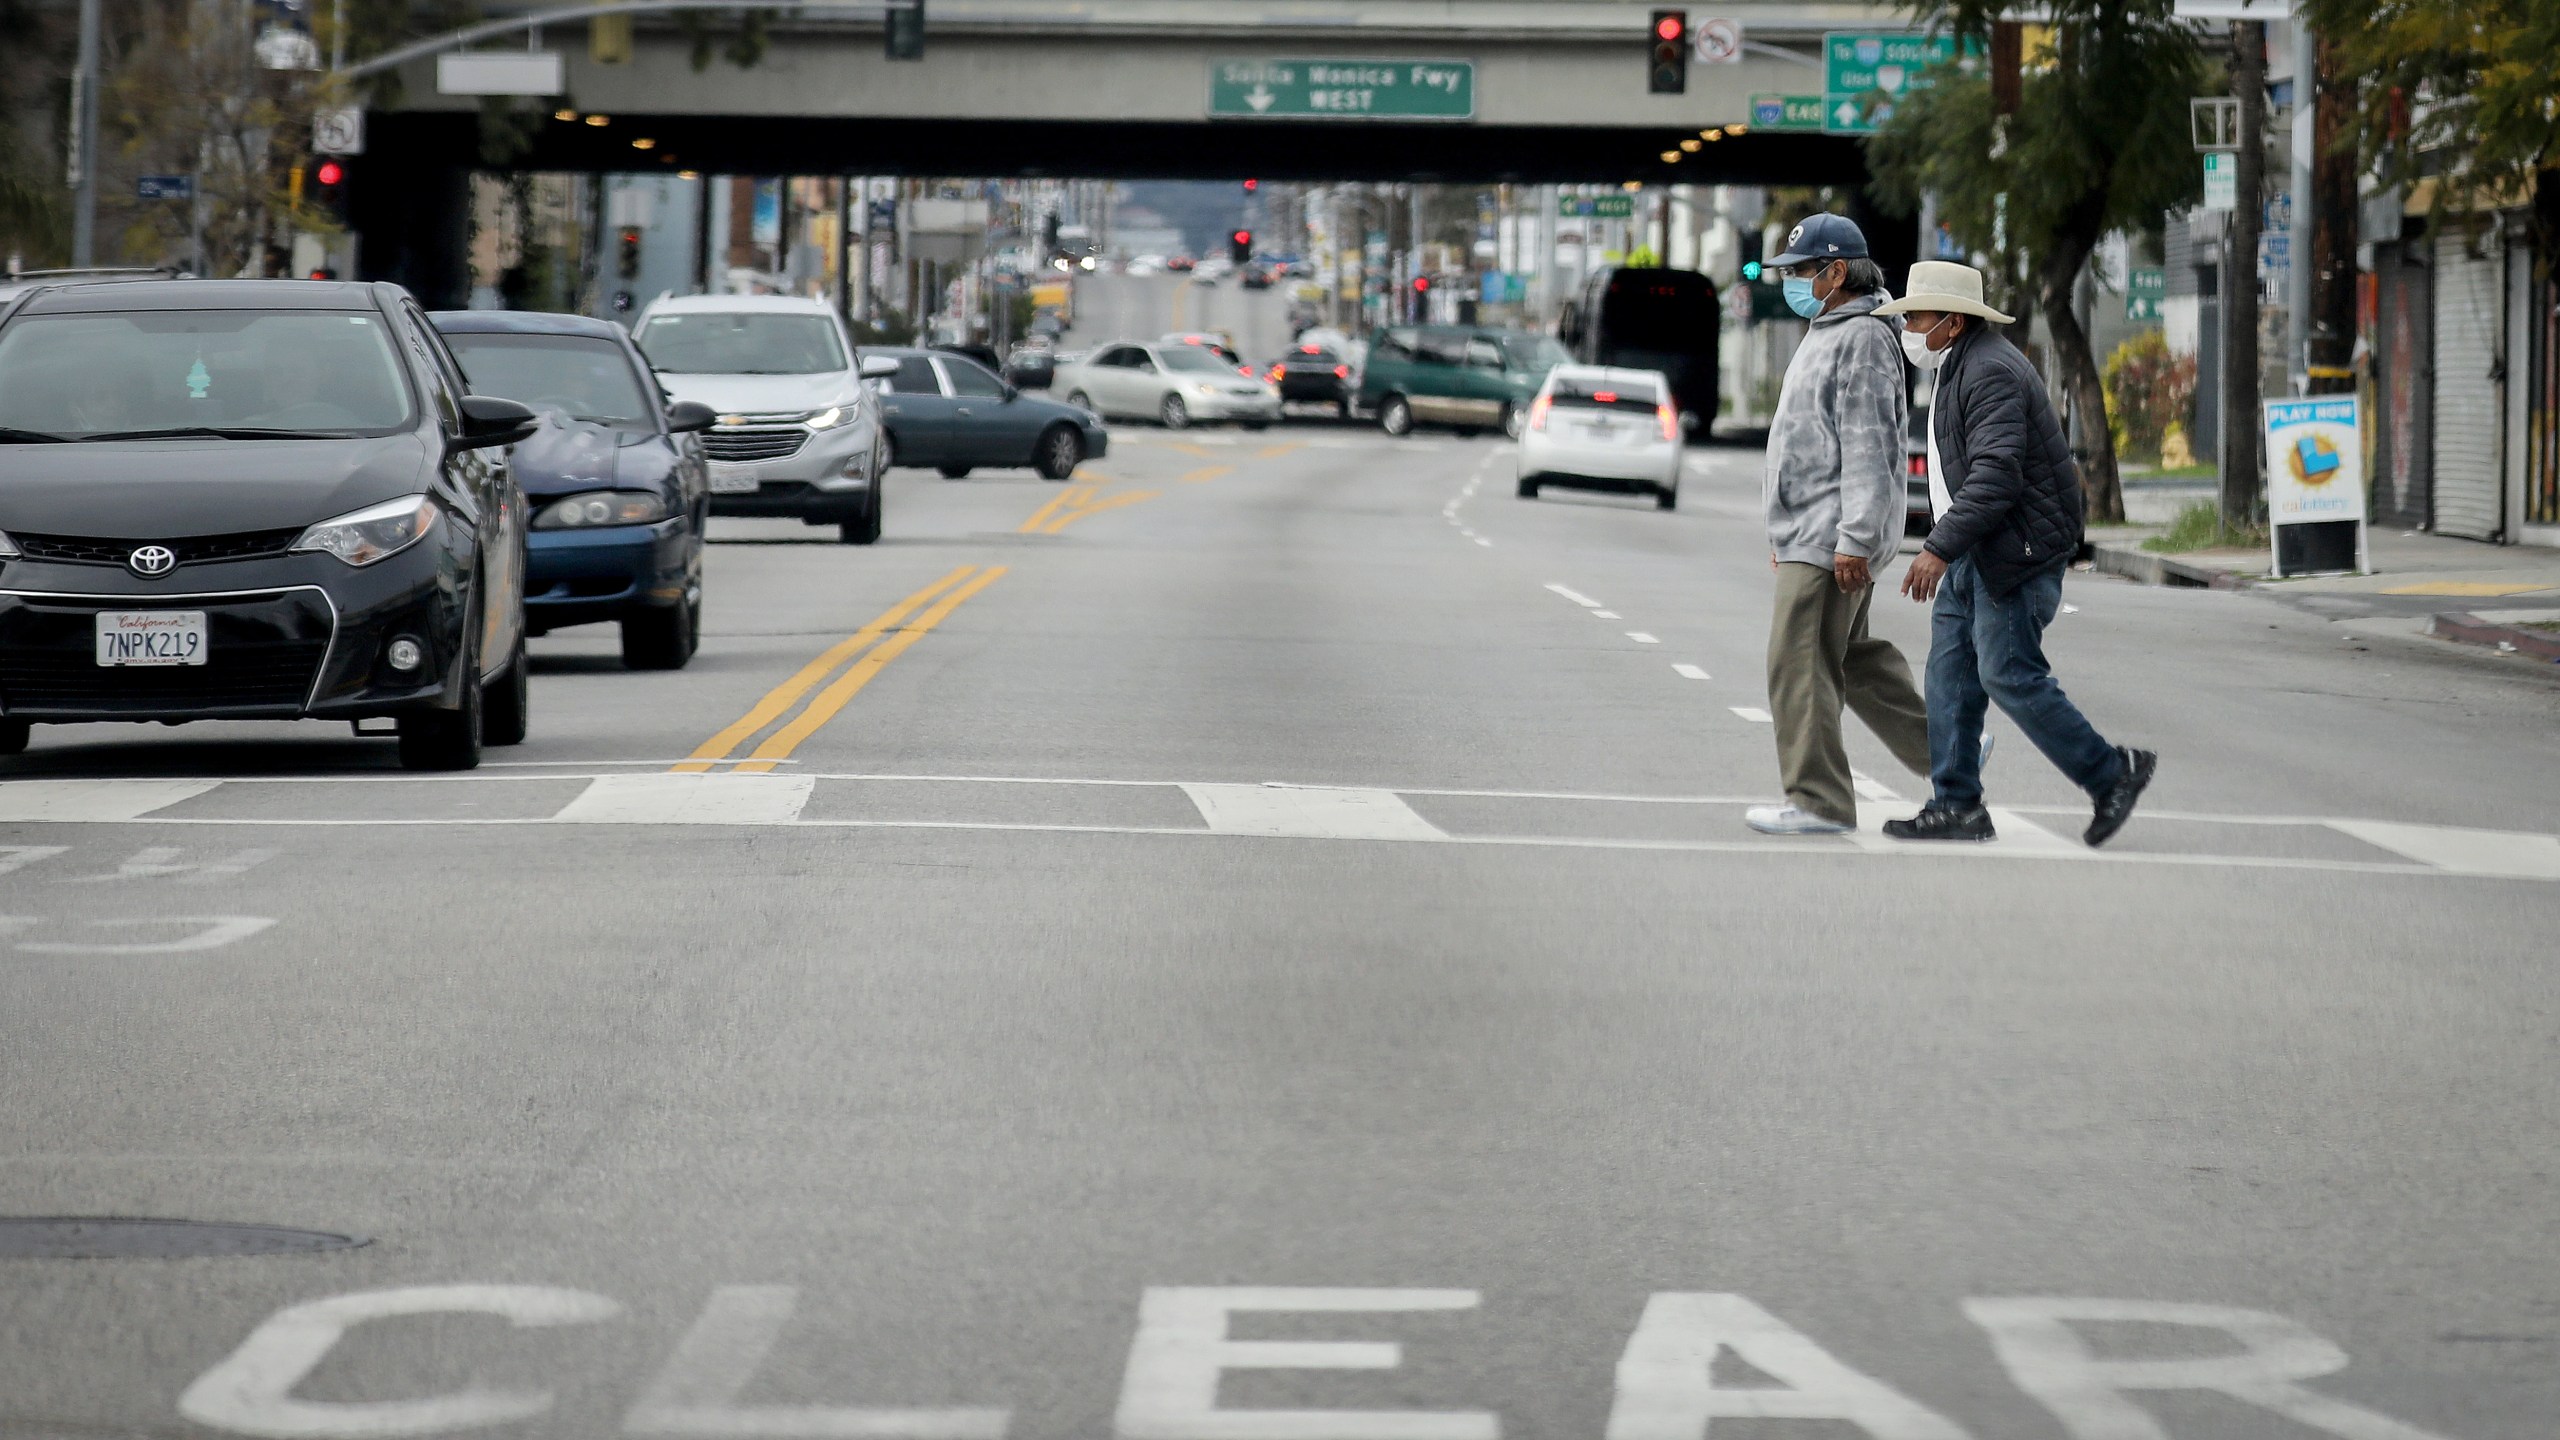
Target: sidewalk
(2503,597)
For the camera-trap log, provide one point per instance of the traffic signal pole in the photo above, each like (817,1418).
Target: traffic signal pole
(2238,488)
(84,141)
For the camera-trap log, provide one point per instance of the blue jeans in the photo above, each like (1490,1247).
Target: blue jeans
(1983,648)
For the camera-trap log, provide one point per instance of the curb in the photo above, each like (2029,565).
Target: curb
(2470,629)
(2146,568)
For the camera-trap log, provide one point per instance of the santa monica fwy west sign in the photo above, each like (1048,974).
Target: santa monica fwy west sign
(1342,89)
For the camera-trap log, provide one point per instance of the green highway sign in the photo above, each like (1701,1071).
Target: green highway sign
(1864,74)
(1598,207)
(1342,89)
(2145,286)
(1786,112)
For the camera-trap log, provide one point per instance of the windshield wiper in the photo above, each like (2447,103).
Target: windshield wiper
(12,435)
(216,432)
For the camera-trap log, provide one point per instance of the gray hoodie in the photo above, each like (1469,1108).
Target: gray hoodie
(1835,478)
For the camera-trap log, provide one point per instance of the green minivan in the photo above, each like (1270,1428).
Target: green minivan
(1473,377)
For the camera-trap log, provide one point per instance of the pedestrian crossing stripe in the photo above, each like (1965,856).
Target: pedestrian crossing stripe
(1273,810)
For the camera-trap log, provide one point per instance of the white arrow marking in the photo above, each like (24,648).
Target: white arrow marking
(1260,99)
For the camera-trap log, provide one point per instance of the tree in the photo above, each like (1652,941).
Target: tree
(2098,145)
(2462,89)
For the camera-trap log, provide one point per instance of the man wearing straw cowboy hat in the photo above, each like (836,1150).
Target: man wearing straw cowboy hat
(2008,505)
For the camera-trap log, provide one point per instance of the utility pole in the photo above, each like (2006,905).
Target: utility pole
(84,141)
(2240,421)
(2298,183)
(2331,254)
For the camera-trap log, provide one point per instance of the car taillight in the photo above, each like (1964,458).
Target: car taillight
(1341,372)
(1245,370)
(1670,423)
(1605,397)
(1277,371)
(1538,412)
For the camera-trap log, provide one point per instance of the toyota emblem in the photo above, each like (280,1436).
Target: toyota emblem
(152,561)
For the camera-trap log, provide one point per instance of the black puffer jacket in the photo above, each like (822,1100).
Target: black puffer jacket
(2014,493)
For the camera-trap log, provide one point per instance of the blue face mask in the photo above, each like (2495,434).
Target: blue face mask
(1799,297)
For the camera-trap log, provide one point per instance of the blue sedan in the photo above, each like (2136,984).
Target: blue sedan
(614,476)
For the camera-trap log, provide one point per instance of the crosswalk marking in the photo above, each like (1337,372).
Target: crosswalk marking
(1309,811)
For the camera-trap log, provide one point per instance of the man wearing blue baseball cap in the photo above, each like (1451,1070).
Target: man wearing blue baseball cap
(1835,497)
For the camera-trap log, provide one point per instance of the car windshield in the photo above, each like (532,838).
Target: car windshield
(583,376)
(1192,357)
(300,373)
(1534,352)
(745,342)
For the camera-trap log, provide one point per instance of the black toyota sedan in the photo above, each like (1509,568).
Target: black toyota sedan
(1313,375)
(951,413)
(614,475)
(256,500)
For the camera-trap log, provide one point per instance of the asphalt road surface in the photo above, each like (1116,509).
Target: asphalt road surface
(1259,943)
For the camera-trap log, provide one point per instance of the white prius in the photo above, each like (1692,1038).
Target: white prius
(1597,428)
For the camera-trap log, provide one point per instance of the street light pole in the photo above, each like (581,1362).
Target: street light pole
(84,141)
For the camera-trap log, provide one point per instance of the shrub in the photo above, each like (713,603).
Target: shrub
(2148,391)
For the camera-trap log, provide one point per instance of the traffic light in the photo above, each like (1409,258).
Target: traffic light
(330,179)
(1252,185)
(626,254)
(1668,73)
(902,30)
(1421,284)
(1240,246)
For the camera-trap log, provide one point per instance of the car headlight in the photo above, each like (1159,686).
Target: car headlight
(602,507)
(831,417)
(376,532)
(1196,388)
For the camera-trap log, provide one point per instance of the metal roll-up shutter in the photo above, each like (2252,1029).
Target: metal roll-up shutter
(2471,292)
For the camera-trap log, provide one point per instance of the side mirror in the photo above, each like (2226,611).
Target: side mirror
(1011,391)
(687,416)
(488,420)
(878,367)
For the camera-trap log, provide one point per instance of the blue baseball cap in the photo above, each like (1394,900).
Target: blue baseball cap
(1822,236)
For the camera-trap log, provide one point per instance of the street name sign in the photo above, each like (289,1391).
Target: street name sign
(164,187)
(2315,485)
(1786,112)
(2145,287)
(1598,207)
(1342,89)
(1864,74)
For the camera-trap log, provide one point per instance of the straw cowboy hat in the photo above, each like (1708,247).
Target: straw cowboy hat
(1947,288)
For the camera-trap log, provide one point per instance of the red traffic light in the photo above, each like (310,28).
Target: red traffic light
(330,172)
(1242,237)
(1669,26)
(1252,185)
(1421,284)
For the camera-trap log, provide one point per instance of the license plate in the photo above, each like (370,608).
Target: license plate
(151,637)
(728,477)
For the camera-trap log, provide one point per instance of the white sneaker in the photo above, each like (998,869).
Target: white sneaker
(1788,820)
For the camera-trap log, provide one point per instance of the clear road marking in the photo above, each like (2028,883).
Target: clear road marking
(1191,448)
(823,707)
(719,1358)
(1752,713)
(1309,812)
(1274,452)
(158,861)
(1576,596)
(1667,1388)
(690,799)
(1642,638)
(1207,473)
(1607,615)
(1126,497)
(207,932)
(2017,832)
(1871,788)
(1066,499)
(19,857)
(1089,475)
(1687,671)
(93,799)
(2474,852)
(1170,1389)
(1482,541)
(251,1391)
(783,696)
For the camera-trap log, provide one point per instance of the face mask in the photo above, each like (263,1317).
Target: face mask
(1799,296)
(1915,348)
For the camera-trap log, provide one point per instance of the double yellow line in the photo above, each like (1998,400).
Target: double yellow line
(1075,503)
(936,601)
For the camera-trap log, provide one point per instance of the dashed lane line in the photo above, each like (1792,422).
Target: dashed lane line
(1752,713)
(1090,509)
(1273,810)
(1576,596)
(1642,638)
(1687,671)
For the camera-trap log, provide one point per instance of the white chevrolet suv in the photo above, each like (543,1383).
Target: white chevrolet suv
(799,432)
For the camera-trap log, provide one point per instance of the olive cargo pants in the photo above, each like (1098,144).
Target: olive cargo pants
(1820,657)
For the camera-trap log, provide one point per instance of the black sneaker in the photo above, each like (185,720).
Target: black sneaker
(1938,823)
(2116,806)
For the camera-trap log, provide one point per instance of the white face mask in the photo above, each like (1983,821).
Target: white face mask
(1915,348)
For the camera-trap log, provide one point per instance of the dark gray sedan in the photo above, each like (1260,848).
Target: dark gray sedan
(949,413)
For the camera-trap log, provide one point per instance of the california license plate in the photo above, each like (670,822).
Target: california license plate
(151,637)
(728,477)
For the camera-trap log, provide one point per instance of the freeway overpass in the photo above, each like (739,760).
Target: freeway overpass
(1458,90)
